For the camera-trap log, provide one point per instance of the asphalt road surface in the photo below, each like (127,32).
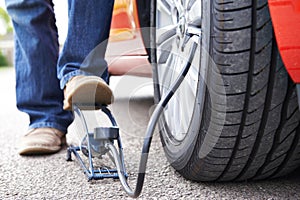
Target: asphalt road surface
(51,177)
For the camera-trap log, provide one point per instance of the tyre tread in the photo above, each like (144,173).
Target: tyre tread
(260,137)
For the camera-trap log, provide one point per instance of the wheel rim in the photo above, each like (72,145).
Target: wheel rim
(178,27)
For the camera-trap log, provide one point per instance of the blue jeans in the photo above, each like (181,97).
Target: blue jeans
(41,72)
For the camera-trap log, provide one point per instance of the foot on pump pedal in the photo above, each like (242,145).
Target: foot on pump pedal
(87,92)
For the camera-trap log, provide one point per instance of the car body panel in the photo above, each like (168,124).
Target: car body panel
(126,52)
(286,22)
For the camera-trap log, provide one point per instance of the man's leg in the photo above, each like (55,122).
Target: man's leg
(36,46)
(83,52)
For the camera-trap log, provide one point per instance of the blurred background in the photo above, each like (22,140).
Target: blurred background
(6,30)
(6,37)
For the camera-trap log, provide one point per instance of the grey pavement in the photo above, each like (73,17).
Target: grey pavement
(51,177)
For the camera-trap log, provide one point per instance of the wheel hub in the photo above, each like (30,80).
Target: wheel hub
(181,26)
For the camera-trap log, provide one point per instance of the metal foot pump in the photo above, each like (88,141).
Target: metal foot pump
(100,141)
(103,140)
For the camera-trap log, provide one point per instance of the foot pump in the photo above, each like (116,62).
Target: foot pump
(103,140)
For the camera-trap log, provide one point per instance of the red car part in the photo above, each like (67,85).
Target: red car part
(286,22)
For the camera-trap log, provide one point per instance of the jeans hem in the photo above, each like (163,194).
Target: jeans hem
(49,125)
(70,75)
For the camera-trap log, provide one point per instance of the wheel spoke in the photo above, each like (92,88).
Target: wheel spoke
(179,7)
(167,72)
(166,33)
(192,79)
(194,13)
(189,3)
(176,115)
(165,42)
(165,6)
(185,106)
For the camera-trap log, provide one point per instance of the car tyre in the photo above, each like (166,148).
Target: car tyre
(244,118)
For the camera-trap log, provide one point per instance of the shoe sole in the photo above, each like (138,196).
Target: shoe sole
(88,93)
(40,150)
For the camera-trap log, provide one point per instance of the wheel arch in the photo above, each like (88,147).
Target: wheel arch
(285,16)
(143,9)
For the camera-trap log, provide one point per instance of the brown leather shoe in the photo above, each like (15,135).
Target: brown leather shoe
(89,90)
(41,141)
